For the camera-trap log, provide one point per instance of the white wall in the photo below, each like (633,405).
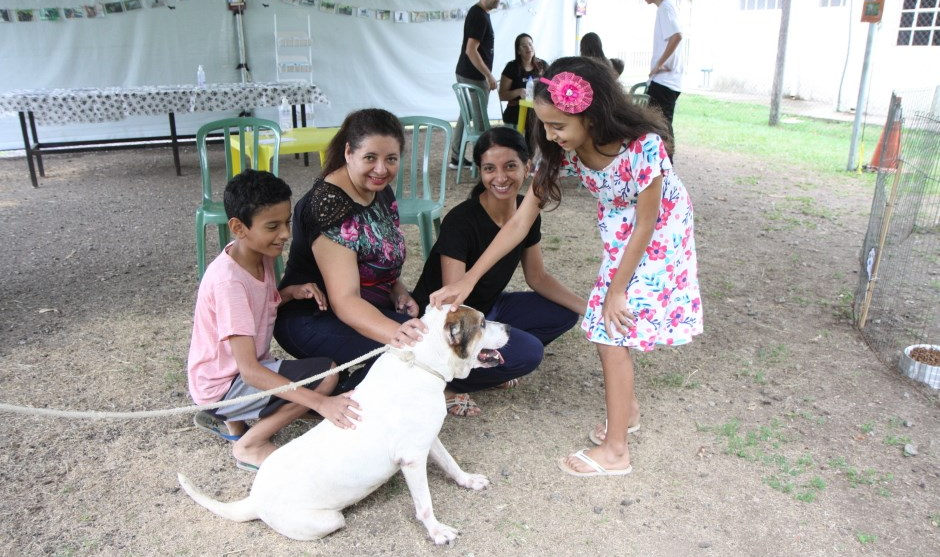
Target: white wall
(406,68)
(825,48)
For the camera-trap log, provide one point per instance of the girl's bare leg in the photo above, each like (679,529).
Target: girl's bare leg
(614,454)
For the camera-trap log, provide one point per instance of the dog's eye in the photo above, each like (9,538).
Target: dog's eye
(483,323)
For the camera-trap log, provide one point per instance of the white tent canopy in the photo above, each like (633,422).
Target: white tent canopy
(357,62)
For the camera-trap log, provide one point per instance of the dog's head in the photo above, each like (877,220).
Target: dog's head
(460,341)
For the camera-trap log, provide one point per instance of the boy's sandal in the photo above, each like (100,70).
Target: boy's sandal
(462,405)
(245,466)
(210,424)
(596,439)
(512,383)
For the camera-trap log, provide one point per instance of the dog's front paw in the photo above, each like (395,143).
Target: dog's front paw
(474,481)
(442,533)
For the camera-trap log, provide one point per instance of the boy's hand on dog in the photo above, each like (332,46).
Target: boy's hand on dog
(341,410)
(409,333)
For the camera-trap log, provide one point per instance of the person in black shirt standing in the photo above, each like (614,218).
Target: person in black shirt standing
(475,65)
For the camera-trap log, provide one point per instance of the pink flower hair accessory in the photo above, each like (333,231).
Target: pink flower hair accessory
(570,92)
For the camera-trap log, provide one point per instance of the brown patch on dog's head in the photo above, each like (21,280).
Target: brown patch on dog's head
(461,329)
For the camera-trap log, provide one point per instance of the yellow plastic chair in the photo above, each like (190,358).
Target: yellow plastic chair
(417,203)
(212,211)
(472,101)
(638,94)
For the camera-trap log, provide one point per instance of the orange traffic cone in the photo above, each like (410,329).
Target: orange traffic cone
(886,153)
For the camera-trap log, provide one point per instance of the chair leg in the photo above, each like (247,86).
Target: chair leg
(426,227)
(200,248)
(278,268)
(224,237)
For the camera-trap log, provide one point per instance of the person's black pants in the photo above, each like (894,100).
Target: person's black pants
(664,98)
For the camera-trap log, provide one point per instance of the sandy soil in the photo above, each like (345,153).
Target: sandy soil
(776,433)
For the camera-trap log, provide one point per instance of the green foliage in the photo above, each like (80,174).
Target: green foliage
(735,127)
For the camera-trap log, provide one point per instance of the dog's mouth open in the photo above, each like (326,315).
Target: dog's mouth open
(489,358)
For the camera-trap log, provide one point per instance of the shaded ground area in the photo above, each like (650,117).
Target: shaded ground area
(776,433)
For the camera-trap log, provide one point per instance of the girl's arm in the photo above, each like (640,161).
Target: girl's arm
(615,313)
(511,235)
(341,276)
(544,284)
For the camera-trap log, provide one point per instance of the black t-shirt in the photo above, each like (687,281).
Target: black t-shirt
(476,26)
(465,234)
(371,231)
(518,79)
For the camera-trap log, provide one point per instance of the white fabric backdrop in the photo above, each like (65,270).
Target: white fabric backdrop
(407,68)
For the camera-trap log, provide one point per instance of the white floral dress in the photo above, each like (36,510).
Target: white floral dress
(663,293)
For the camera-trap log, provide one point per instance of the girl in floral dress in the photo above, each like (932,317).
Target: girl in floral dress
(646,291)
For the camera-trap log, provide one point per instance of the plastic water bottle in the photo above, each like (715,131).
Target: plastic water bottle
(200,77)
(529,88)
(284,115)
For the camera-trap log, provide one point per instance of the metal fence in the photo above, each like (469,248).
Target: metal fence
(897,302)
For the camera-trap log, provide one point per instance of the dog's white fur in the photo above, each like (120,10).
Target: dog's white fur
(302,488)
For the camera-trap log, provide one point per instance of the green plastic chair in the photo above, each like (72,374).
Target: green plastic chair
(212,211)
(473,112)
(638,94)
(417,203)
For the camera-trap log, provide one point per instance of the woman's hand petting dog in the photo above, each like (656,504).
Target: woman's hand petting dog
(409,333)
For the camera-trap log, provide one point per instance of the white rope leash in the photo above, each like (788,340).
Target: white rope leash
(93,415)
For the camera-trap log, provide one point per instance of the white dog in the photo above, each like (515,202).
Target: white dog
(302,488)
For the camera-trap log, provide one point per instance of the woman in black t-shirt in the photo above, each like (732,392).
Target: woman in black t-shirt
(515,74)
(538,317)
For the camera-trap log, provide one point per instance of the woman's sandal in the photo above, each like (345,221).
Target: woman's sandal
(462,405)
(512,383)
(595,438)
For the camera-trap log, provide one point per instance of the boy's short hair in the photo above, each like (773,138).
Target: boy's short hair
(252,190)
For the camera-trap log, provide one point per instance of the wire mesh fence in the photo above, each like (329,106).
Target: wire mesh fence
(897,302)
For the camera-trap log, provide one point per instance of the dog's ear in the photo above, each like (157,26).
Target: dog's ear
(457,338)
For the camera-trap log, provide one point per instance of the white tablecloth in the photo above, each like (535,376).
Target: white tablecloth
(93,105)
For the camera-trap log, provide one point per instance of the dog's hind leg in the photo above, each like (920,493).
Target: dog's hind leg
(416,476)
(304,524)
(447,463)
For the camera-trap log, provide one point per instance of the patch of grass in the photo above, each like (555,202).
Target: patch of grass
(552,243)
(674,380)
(867,427)
(734,127)
(845,304)
(897,440)
(857,478)
(935,519)
(865,539)
(174,378)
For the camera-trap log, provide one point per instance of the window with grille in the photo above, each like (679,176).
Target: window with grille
(831,3)
(760,4)
(920,23)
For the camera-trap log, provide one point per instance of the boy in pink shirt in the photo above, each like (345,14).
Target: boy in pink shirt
(230,351)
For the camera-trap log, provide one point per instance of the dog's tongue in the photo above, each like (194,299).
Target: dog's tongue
(488,356)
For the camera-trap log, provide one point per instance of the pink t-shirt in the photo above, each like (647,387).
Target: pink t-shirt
(230,302)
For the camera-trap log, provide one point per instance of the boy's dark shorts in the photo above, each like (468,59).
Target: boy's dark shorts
(293,370)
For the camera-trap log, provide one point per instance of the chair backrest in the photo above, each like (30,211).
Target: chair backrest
(251,132)
(638,94)
(473,110)
(418,158)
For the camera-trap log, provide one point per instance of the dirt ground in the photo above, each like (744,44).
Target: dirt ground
(776,433)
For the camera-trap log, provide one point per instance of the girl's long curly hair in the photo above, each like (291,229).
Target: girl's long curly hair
(611,118)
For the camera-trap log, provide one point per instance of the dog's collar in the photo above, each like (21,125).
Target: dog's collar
(409,358)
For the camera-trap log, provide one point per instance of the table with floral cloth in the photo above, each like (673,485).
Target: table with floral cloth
(109,104)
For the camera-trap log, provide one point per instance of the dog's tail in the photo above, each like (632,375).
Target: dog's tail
(239,511)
